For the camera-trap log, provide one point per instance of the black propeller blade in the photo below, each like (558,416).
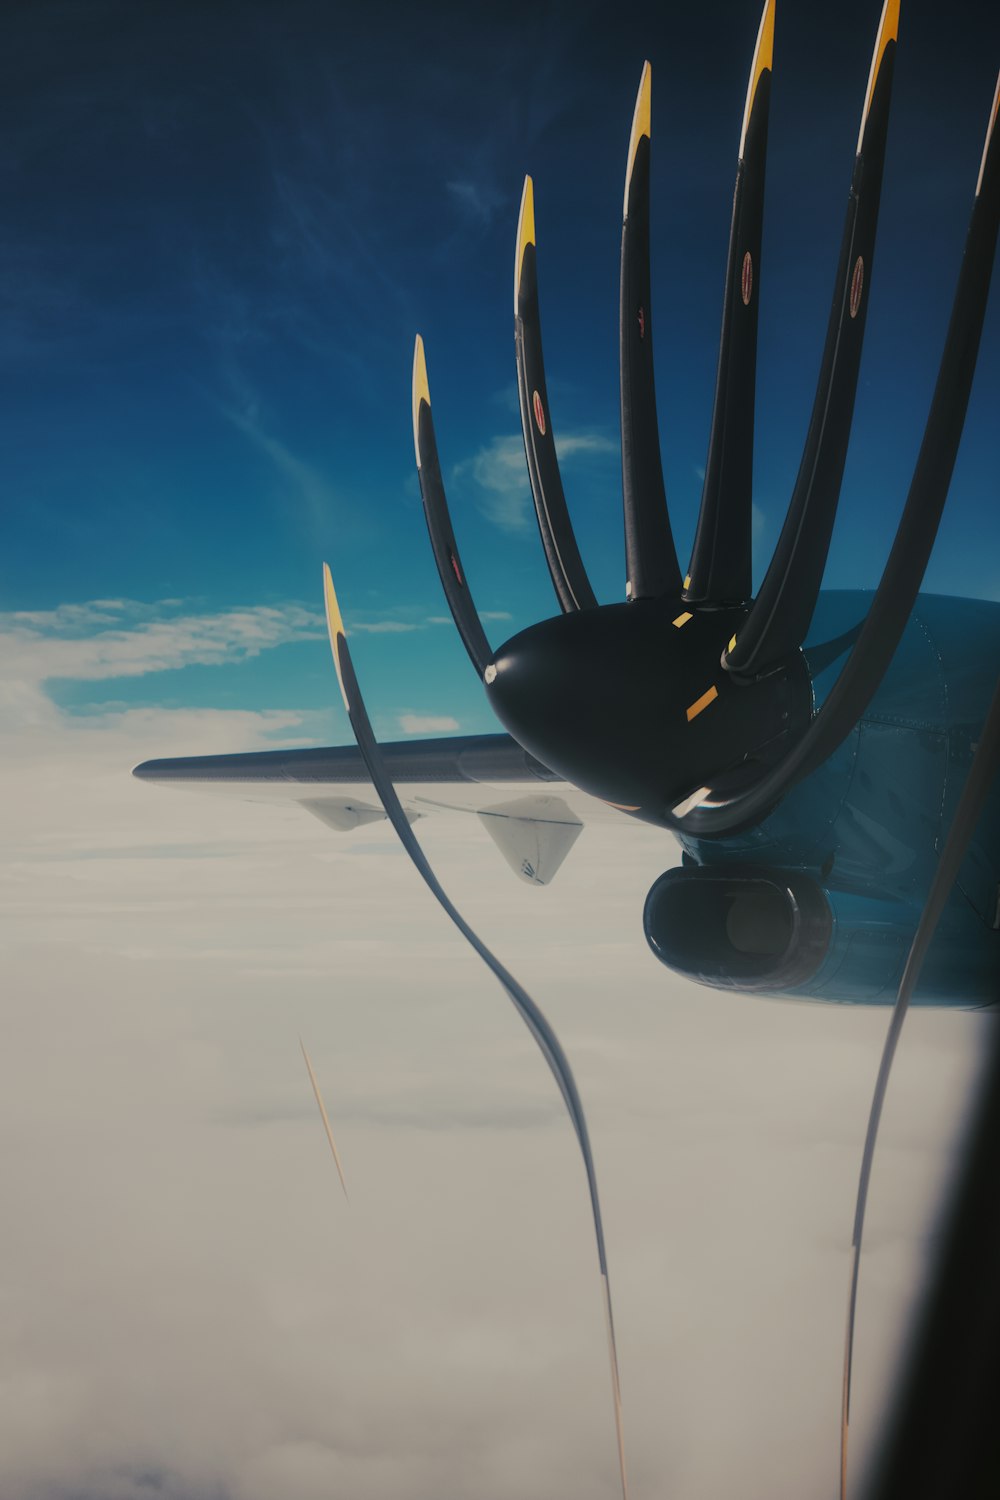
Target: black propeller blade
(650,557)
(529,1012)
(781,613)
(721,560)
(443,544)
(716,810)
(984,768)
(569,577)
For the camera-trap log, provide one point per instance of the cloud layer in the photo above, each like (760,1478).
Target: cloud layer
(194,1311)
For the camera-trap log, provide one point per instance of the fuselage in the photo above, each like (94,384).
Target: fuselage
(869,825)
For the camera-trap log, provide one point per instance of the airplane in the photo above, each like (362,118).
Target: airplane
(806,748)
(809,750)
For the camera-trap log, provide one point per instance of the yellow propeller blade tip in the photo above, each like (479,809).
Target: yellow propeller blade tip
(640,125)
(421,391)
(525,233)
(335,627)
(763,59)
(888,31)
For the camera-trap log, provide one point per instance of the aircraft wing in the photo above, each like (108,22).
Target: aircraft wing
(532,815)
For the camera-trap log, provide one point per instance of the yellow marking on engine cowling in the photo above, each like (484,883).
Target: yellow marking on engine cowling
(762,59)
(700,704)
(887,32)
(525,233)
(682,619)
(421,391)
(640,126)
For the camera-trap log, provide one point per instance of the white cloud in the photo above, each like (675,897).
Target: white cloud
(499,472)
(443,1335)
(72,642)
(413,723)
(385,627)
(35,646)
(396,626)
(573,444)
(758,522)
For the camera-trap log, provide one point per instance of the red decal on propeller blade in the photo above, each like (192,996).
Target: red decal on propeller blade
(746,279)
(455,568)
(536,402)
(642,322)
(857,284)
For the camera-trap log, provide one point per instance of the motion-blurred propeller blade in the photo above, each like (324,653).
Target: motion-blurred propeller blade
(533,1018)
(445,548)
(721,560)
(711,810)
(650,558)
(569,577)
(324,1116)
(984,768)
(781,613)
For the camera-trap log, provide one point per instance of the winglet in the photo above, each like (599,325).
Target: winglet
(640,126)
(888,31)
(762,60)
(525,234)
(335,628)
(421,391)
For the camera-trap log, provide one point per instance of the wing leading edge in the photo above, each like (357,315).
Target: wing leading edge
(530,813)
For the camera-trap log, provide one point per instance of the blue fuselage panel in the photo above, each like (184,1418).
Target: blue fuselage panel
(871,822)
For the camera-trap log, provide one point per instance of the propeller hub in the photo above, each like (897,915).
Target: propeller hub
(631,703)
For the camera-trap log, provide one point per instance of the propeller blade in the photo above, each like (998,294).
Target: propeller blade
(985,766)
(721,560)
(443,544)
(324,1117)
(650,557)
(713,811)
(529,1012)
(569,577)
(781,613)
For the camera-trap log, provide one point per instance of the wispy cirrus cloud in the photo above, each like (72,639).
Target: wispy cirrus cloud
(395,625)
(498,474)
(243,409)
(398,625)
(479,201)
(416,723)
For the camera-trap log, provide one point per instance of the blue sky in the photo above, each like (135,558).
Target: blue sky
(225,224)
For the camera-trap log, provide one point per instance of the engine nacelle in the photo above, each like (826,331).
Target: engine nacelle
(739,928)
(780,932)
